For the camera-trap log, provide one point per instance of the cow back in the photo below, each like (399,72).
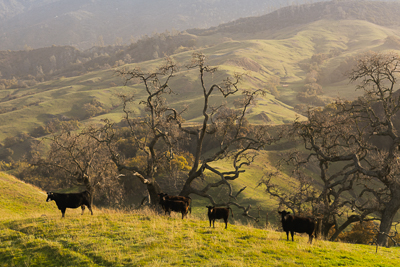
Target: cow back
(72,200)
(176,205)
(303,225)
(220,213)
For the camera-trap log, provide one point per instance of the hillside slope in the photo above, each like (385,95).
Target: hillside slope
(258,57)
(382,13)
(148,239)
(19,200)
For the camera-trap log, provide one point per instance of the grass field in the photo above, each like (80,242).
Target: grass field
(148,239)
(37,236)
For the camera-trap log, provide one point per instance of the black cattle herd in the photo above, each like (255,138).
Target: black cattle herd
(290,223)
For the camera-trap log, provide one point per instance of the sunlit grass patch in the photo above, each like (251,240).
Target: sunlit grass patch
(145,238)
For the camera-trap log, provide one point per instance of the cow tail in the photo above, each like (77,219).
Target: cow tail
(231,211)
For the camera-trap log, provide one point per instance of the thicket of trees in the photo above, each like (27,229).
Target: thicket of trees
(21,69)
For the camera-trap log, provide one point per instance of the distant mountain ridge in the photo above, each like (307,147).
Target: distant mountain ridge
(23,63)
(85,23)
(384,13)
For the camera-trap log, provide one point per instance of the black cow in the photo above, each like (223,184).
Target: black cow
(291,223)
(188,200)
(218,213)
(174,205)
(71,200)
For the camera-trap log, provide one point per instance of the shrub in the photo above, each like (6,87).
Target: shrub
(360,233)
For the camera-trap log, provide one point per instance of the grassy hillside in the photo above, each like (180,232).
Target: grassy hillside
(257,57)
(19,200)
(32,233)
(146,239)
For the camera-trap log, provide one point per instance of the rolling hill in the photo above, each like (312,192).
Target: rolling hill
(258,58)
(19,200)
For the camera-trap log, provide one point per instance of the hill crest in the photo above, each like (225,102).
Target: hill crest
(378,12)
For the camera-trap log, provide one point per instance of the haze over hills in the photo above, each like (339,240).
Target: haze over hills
(85,23)
(60,81)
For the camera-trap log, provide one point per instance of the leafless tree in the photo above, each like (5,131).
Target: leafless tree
(377,114)
(76,159)
(164,129)
(356,146)
(329,142)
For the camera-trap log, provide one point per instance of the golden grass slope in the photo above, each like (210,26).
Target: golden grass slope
(146,238)
(19,200)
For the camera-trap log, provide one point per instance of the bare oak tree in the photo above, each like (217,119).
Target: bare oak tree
(377,113)
(163,131)
(356,148)
(76,159)
(329,143)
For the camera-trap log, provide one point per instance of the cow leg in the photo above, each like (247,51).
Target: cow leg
(226,223)
(90,208)
(310,238)
(63,212)
(210,221)
(213,223)
(292,234)
(287,235)
(83,209)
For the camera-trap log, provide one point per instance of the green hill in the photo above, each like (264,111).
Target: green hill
(258,57)
(147,239)
(19,200)
(144,238)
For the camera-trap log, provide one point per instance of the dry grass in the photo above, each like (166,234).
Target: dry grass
(145,238)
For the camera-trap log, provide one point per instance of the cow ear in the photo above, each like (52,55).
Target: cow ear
(288,212)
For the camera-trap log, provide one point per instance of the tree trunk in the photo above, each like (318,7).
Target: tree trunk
(325,227)
(387,219)
(89,187)
(350,220)
(154,189)
(185,191)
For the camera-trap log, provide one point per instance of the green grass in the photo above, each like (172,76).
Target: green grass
(17,199)
(148,239)
(32,233)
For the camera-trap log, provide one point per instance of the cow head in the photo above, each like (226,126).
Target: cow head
(284,213)
(162,197)
(210,209)
(49,196)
